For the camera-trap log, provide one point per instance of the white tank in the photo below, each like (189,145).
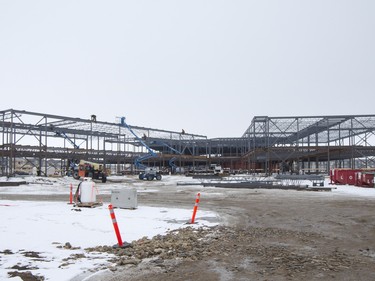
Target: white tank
(88,191)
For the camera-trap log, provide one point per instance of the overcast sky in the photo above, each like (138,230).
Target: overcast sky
(207,67)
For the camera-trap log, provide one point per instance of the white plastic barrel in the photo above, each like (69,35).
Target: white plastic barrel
(88,192)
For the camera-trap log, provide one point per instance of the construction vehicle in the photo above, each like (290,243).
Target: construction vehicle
(173,159)
(150,173)
(216,169)
(86,169)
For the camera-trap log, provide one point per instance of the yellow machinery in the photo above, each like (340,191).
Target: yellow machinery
(87,169)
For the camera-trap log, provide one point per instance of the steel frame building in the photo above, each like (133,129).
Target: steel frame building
(308,144)
(45,140)
(311,143)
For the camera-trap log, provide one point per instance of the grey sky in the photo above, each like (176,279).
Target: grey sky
(204,66)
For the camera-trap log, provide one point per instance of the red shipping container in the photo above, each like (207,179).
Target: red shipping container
(337,176)
(368,180)
(350,176)
(344,176)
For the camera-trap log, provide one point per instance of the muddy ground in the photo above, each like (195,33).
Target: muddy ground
(265,235)
(262,235)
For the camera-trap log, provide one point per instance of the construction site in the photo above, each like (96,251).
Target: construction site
(290,199)
(47,144)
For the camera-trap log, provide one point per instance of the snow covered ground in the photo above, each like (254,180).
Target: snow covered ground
(349,190)
(34,234)
(47,237)
(352,191)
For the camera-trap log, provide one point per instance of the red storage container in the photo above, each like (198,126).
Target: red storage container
(337,176)
(368,180)
(344,176)
(365,179)
(350,176)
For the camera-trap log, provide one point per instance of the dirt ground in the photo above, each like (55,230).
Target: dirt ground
(270,235)
(262,235)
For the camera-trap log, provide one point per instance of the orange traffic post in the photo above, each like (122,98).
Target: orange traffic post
(114,221)
(71,194)
(197,198)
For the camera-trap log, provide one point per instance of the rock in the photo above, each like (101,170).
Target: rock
(158,261)
(130,261)
(112,268)
(158,251)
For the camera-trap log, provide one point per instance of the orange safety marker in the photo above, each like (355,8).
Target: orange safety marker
(114,221)
(197,198)
(71,194)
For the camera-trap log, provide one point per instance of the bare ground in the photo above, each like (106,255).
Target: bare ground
(269,235)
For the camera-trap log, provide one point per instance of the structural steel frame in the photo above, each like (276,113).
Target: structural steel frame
(47,138)
(311,142)
(307,144)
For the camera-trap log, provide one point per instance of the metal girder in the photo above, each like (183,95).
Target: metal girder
(310,138)
(318,129)
(81,127)
(267,140)
(44,136)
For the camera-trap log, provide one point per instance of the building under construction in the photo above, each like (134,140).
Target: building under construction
(298,144)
